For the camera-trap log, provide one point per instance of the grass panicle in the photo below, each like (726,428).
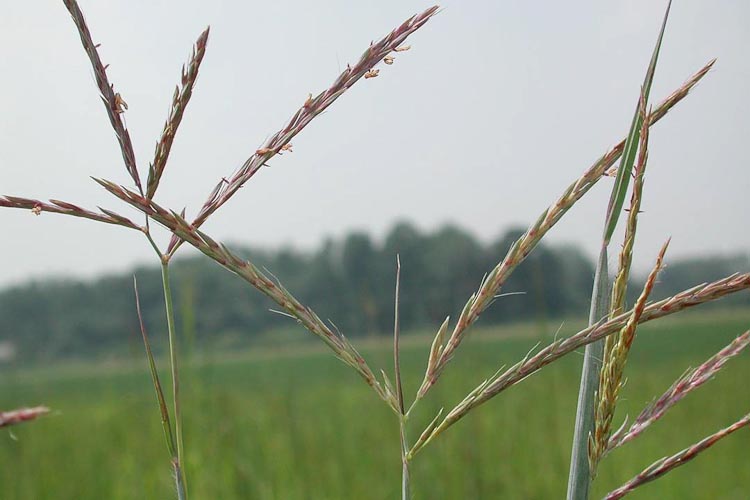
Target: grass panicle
(180,99)
(667,464)
(20,415)
(313,106)
(682,387)
(608,317)
(116,106)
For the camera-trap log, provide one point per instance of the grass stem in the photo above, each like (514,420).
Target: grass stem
(405,482)
(405,477)
(169,307)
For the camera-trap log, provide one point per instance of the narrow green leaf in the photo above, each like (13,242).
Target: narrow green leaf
(631,144)
(164,412)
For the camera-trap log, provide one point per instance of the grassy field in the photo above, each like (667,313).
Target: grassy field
(302,426)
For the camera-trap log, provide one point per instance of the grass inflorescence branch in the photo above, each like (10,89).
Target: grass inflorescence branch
(180,101)
(65,208)
(312,107)
(113,101)
(664,465)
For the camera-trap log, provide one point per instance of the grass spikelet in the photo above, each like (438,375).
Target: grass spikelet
(436,350)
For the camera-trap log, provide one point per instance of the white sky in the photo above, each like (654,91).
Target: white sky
(494,111)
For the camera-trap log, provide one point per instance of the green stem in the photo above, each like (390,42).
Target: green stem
(405,479)
(179,461)
(402,415)
(179,479)
(579,479)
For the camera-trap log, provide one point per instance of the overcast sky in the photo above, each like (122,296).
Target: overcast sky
(495,110)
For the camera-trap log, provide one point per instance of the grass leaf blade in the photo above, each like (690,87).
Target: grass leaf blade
(627,161)
(164,411)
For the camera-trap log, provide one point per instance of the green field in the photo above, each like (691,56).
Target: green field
(302,426)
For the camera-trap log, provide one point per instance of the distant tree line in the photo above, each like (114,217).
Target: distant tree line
(350,281)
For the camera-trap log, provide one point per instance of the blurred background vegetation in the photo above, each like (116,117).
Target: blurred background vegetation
(349,281)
